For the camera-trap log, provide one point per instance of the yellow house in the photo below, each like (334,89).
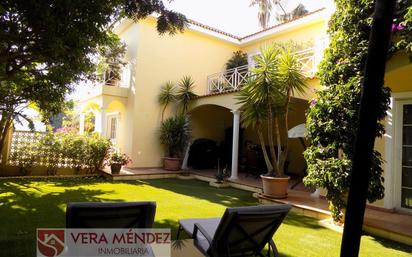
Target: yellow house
(129,113)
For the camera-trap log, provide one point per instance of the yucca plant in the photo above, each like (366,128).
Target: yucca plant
(167,96)
(175,134)
(265,99)
(185,93)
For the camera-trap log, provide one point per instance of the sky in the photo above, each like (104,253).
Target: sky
(233,16)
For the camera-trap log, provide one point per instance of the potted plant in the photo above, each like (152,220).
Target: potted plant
(265,99)
(174,134)
(116,161)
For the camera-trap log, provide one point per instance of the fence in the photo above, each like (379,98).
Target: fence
(26,150)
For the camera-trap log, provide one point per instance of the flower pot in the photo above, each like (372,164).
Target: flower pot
(115,168)
(275,187)
(171,163)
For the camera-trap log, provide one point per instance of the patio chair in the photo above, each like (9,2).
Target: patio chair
(242,231)
(110,215)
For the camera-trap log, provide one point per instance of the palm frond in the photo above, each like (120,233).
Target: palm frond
(167,94)
(185,93)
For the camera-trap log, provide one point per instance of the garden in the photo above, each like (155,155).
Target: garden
(27,204)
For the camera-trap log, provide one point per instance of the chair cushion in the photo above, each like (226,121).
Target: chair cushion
(210,225)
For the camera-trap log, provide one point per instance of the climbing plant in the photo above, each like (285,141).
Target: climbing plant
(332,118)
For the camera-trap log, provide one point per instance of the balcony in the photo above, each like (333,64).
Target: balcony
(232,80)
(110,83)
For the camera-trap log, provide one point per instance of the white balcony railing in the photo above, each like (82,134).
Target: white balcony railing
(228,80)
(232,80)
(307,58)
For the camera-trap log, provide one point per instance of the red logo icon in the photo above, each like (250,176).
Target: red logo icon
(50,242)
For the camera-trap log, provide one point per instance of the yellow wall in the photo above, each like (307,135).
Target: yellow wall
(210,121)
(302,34)
(167,58)
(398,78)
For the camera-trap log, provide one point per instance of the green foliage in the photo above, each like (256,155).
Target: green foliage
(89,122)
(239,58)
(185,94)
(118,158)
(332,118)
(47,47)
(167,96)
(175,133)
(111,61)
(54,150)
(402,28)
(265,99)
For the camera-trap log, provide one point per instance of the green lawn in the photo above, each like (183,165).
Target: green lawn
(26,205)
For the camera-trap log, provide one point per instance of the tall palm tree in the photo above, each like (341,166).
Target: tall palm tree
(265,99)
(185,93)
(265,8)
(167,96)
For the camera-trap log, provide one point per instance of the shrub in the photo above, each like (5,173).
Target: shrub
(54,150)
(239,58)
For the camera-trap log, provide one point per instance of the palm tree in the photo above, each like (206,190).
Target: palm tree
(166,96)
(299,11)
(265,8)
(265,99)
(185,93)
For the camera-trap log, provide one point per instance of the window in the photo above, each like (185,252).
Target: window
(113,127)
(406,180)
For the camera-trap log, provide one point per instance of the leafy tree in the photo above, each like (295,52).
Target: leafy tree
(332,119)
(265,99)
(48,46)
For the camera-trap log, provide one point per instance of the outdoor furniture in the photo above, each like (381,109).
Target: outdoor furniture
(242,231)
(110,215)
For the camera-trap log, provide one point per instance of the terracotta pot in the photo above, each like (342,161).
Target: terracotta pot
(274,187)
(115,168)
(171,163)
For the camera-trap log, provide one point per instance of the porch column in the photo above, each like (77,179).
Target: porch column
(235,145)
(81,123)
(100,122)
(103,122)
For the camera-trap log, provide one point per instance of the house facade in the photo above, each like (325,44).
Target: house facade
(129,113)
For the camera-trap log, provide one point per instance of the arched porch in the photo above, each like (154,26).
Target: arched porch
(218,118)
